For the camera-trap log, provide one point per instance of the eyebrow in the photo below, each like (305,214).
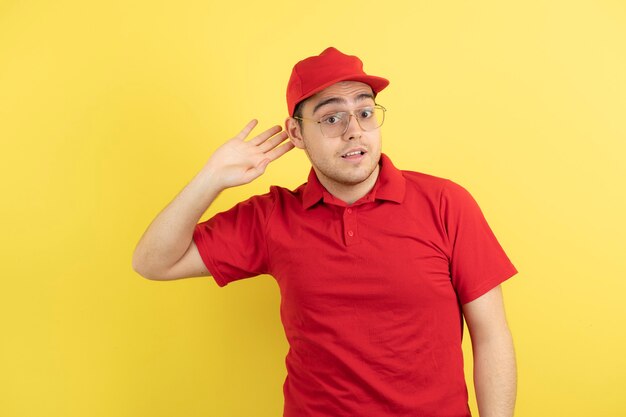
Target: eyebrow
(333,100)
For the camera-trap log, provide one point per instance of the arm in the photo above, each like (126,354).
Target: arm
(166,250)
(495,376)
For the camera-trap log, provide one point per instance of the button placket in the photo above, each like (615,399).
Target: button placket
(350,226)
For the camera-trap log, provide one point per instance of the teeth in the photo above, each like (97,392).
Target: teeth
(353,153)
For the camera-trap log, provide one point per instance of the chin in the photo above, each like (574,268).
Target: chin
(358,178)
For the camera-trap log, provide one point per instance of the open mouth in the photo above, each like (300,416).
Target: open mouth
(352,154)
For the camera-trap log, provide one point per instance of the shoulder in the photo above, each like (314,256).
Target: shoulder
(275,193)
(276,196)
(278,193)
(442,195)
(424,181)
(433,186)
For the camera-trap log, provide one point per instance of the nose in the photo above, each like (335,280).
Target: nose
(353,129)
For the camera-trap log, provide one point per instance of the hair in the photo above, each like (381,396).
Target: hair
(297,112)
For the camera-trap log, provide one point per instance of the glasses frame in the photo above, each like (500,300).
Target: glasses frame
(350,113)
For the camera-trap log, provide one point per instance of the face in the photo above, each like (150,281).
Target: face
(347,160)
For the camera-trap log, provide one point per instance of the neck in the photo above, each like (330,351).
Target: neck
(349,193)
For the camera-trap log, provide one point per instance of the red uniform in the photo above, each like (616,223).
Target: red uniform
(370,293)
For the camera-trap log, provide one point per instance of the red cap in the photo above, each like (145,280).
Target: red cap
(315,73)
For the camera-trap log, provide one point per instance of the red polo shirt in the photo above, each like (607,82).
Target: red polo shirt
(371,292)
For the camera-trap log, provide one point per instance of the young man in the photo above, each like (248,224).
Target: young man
(377,267)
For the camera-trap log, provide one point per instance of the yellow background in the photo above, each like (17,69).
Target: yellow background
(108,108)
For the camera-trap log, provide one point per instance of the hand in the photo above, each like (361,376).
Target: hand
(239,162)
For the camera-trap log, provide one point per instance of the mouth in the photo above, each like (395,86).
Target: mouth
(356,153)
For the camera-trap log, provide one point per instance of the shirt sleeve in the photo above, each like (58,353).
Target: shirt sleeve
(477,261)
(233,243)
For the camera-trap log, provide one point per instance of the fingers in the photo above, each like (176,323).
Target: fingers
(247,129)
(273,142)
(268,141)
(279,151)
(263,136)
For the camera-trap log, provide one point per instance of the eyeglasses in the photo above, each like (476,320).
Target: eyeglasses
(336,124)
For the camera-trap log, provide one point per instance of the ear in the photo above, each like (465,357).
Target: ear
(292,127)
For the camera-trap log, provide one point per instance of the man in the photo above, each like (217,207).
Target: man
(377,267)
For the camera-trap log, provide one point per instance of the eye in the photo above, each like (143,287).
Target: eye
(331,119)
(366,113)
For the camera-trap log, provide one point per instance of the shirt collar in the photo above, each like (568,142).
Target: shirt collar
(390,185)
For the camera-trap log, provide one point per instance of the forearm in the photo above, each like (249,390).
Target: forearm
(170,234)
(495,375)
(166,250)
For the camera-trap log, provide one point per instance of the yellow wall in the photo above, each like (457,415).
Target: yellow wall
(108,108)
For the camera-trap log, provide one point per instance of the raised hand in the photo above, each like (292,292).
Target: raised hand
(240,161)
(166,250)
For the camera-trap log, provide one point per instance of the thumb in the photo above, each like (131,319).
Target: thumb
(262,165)
(257,171)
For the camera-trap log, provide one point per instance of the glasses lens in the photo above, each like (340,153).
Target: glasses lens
(369,118)
(335,124)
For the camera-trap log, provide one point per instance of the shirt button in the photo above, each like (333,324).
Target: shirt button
(350,233)
(349,211)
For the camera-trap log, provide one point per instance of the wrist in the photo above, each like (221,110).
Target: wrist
(204,188)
